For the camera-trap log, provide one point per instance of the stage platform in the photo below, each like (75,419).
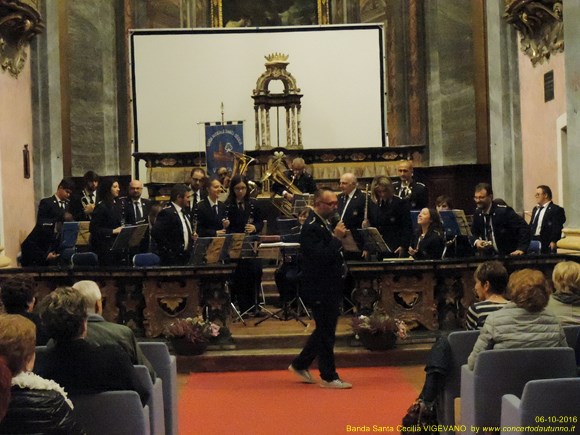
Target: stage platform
(272,345)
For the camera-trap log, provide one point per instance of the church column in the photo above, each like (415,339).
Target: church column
(269,135)
(257,124)
(299,125)
(288,137)
(504,107)
(571,153)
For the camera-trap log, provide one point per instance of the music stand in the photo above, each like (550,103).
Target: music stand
(206,250)
(348,243)
(373,241)
(455,227)
(301,200)
(84,233)
(286,312)
(232,249)
(130,237)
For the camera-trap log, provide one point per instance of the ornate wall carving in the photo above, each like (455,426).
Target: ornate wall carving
(541,24)
(20,21)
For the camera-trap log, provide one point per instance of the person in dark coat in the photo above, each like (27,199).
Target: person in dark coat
(299,177)
(211,217)
(29,404)
(173,231)
(497,229)
(547,220)
(391,216)
(428,241)
(18,297)
(82,205)
(78,365)
(409,189)
(56,208)
(244,217)
(41,246)
(323,271)
(106,223)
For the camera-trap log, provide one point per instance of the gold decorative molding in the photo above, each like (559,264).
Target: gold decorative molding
(541,24)
(20,21)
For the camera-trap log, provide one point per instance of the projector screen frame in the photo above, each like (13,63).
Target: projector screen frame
(378,27)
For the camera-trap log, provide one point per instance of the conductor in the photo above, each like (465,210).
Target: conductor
(322,271)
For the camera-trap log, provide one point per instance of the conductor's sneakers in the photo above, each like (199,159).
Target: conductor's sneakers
(336,384)
(304,375)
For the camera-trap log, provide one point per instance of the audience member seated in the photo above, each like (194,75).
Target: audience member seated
(102,332)
(79,366)
(491,279)
(523,322)
(565,301)
(29,404)
(18,298)
(428,241)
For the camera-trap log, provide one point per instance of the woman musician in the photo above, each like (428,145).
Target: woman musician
(106,223)
(212,219)
(244,217)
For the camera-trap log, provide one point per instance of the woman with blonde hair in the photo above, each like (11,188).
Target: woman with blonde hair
(28,403)
(523,322)
(565,301)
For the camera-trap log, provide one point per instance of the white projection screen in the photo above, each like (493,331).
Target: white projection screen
(180,79)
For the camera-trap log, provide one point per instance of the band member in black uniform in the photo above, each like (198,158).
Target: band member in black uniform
(323,270)
(547,220)
(198,187)
(497,229)
(244,217)
(211,216)
(106,223)
(56,208)
(172,230)
(83,205)
(299,177)
(137,212)
(428,241)
(391,216)
(409,189)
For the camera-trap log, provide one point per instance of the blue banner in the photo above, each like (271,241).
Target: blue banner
(219,139)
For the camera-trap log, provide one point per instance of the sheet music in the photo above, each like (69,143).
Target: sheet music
(374,241)
(301,200)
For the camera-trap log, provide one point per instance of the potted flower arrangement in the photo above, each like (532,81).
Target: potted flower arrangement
(378,331)
(191,335)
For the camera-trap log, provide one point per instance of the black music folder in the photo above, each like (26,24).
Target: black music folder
(129,237)
(232,249)
(206,250)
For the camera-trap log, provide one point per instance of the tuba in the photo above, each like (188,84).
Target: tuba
(276,174)
(241,164)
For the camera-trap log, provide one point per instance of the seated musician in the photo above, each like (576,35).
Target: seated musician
(299,177)
(443,202)
(106,223)
(390,215)
(244,217)
(428,241)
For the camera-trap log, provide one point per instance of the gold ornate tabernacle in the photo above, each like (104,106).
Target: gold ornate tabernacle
(541,24)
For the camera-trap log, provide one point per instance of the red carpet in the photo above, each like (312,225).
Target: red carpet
(274,402)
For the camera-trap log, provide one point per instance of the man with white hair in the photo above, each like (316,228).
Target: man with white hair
(101,332)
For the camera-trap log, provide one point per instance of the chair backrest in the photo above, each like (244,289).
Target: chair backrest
(461,344)
(84,259)
(285,225)
(165,366)
(550,397)
(572,332)
(506,371)
(147,259)
(111,413)
(155,403)
(535,247)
